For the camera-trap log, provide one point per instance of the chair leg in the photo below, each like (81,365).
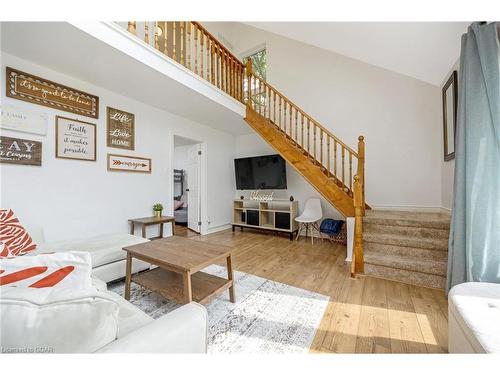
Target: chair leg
(298,231)
(317,228)
(312,233)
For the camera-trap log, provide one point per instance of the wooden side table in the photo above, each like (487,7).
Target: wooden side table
(144,222)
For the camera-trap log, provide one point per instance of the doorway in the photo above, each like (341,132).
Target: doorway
(187,185)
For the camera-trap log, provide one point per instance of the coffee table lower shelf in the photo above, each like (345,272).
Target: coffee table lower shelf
(171,284)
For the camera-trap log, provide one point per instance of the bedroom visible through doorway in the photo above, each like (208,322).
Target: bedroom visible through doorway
(186,191)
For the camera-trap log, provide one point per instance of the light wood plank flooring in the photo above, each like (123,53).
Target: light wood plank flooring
(364,315)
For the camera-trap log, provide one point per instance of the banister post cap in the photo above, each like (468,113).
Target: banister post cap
(361,138)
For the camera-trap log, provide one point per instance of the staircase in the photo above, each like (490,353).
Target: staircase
(411,247)
(407,247)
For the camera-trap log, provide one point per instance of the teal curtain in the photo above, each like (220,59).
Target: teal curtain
(474,244)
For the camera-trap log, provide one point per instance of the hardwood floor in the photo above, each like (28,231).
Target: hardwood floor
(364,315)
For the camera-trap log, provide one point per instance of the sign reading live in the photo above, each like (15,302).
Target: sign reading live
(20,151)
(120,129)
(75,139)
(33,89)
(126,163)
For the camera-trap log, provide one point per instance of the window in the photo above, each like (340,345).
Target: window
(259,69)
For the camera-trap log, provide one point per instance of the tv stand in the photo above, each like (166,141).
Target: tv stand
(277,215)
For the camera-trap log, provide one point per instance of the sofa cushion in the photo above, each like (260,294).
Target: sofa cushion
(103,249)
(14,239)
(56,270)
(476,308)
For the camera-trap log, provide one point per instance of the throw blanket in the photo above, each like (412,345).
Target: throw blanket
(331,227)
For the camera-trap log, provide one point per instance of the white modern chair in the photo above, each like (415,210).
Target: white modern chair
(310,216)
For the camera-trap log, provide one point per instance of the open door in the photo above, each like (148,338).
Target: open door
(193,188)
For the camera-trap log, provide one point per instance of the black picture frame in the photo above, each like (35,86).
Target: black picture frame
(451,84)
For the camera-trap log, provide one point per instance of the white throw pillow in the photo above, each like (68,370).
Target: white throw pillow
(62,270)
(48,304)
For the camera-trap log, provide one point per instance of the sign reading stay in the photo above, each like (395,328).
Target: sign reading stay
(120,129)
(33,89)
(20,151)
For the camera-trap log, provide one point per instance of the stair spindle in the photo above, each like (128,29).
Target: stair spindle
(350,171)
(296,126)
(343,165)
(146,32)
(321,146)
(174,52)
(207,63)
(335,158)
(165,38)
(132,27)
(315,142)
(188,44)
(202,53)
(328,155)
(181,28)
(308,135)
(302,144)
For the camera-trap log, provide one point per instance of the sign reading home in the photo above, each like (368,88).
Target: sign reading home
(20,151)
(120,129)
(33,89)
(125,163)
(75,139)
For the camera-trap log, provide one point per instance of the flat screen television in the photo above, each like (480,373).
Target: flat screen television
(260,173)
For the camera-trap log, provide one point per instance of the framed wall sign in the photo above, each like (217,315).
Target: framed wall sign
(120,129)
(33,89)
(75,139)
(450,94)
(124,163)
(21,120)
(20,151)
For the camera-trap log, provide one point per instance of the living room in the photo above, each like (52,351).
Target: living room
(248,187)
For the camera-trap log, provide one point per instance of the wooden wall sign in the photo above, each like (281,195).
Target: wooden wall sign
(124,163)
(120,129)
(20,151)
(21,120)
(33,89)
(75,139)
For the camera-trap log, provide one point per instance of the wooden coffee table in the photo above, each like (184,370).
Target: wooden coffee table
(178,276)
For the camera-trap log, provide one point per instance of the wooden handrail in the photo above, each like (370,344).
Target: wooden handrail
(194,47)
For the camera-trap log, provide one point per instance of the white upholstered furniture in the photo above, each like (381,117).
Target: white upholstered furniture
(108,258)
(474,318)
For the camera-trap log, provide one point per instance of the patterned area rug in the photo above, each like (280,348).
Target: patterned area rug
(268,317)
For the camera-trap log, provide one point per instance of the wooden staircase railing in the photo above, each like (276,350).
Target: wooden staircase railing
(192,46)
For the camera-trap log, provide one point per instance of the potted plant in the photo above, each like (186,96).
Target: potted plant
(157,209)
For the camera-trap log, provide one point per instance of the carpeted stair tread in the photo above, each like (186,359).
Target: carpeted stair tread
(405,276)
(419,265)
(404,251)
(408,218)
(408,241)
(414,231)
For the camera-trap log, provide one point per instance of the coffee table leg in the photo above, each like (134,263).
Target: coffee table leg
(188,291)
(173,227)
(128,276)
(143,231)
(232,296)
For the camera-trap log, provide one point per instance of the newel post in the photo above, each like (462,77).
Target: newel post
(357,265)
(248,67)
(361,168)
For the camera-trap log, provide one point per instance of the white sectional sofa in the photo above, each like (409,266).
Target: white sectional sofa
(474,318)
(108,258)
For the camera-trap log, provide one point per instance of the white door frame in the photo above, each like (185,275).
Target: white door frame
(203,179)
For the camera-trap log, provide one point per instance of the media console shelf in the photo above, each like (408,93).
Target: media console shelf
(277,215)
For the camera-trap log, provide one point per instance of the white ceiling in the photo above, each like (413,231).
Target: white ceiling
(422,50)
(64,48)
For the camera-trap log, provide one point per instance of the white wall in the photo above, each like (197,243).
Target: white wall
(399,116)
(70,198)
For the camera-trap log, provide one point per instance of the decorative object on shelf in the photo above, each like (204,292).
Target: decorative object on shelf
(75,139)
(291,198)
(120,129)
(20,151)
(36,90)
(21,120)
(124,163)
(257,196)
(242,197)
(157,209)
(450,94)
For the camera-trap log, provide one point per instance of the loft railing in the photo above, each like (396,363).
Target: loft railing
(192,46)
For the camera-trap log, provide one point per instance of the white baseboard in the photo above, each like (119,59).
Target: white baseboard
(218,228)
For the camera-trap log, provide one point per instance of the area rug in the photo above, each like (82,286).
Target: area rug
(268,317)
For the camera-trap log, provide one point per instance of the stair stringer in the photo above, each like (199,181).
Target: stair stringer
(310,171)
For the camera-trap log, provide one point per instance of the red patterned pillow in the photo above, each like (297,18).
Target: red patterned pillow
(14,240)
